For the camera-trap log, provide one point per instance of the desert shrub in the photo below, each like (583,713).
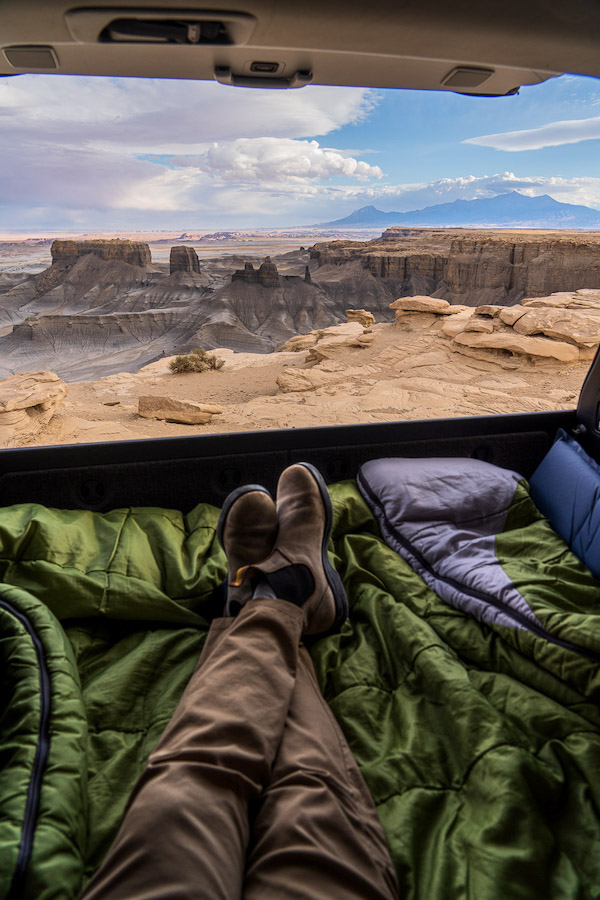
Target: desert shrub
(196,360)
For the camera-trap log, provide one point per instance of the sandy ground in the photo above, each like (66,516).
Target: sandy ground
(407,372)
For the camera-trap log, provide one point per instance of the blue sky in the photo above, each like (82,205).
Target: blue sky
(421,134)
(108,154)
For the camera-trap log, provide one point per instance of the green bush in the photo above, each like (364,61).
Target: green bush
(196,360)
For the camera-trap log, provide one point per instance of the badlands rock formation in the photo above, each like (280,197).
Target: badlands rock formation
(136,253)
(183,259)
(92,313)
(267,274)
(103,308)
(468,266)
(414,368)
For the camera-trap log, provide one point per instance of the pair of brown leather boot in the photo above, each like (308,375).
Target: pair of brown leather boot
(281,550)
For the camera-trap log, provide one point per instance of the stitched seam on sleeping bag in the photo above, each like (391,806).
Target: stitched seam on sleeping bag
(105,594)
(40,760)
(459,787)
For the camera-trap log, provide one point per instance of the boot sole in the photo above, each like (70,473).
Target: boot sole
(230,500)
(333,579)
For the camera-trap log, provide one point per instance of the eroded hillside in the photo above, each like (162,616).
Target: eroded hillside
(104,307)
(466,266)
(416,367)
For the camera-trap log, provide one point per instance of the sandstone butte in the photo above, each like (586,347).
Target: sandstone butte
(425,365)
(136,253)
(183,259)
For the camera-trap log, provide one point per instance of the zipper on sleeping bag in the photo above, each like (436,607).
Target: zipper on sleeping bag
(39,763)
(473,592)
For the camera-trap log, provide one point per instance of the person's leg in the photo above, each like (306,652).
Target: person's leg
(186,829)
(185,832)
(317,835)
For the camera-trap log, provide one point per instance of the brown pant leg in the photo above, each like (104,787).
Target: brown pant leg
(317,835)
(185,832)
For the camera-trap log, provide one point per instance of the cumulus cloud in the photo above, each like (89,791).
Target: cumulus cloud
(554,134)
(272,160)
(104,152)
(80,144)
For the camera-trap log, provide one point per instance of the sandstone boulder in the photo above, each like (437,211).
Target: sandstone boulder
(340,334)
(415,321)
(562,324)
(27,403)
(361,316)
(456,324)
(488,309)
(422,304)
(511,314)
(518,343)
(183,412)
(184,259)
(481,324)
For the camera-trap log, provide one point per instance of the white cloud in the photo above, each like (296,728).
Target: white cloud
(196,154)
(153,116)
(270,160)
(554,134)
(169,190)
(86,146)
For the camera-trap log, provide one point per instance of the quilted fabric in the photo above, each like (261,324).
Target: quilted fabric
(480,743)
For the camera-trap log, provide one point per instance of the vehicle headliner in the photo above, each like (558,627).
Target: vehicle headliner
(384,43)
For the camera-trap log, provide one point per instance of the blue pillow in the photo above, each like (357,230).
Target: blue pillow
(565,487)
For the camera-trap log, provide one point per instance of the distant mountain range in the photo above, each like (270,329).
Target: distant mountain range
(509,210)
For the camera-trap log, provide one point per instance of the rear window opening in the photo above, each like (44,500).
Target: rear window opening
(182,258)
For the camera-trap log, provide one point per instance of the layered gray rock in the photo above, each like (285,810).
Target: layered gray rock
(184,259)
(136,253)
(266,275)
(475,268)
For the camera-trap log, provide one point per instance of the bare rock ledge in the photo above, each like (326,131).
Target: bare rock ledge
(517,343)
(426,304)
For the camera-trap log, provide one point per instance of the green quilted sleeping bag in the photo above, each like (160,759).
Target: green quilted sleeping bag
(479,742)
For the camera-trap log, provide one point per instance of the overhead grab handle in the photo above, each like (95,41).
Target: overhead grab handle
(140,25)
(224,75)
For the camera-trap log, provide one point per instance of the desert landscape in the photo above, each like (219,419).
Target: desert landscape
(416,323)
